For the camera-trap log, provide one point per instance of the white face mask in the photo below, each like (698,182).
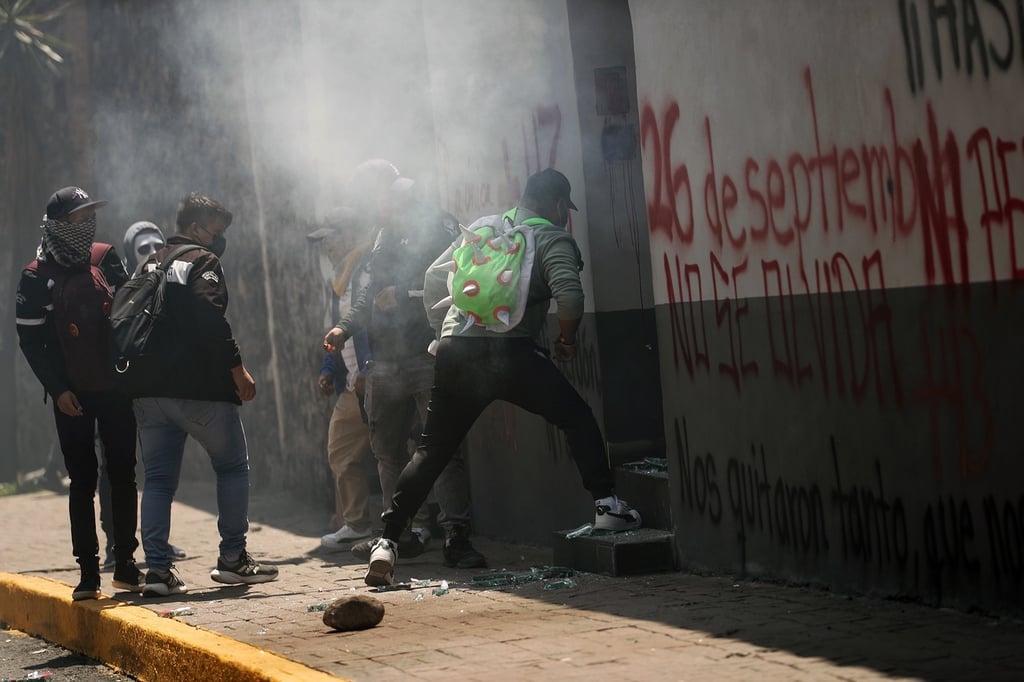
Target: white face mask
(146,244)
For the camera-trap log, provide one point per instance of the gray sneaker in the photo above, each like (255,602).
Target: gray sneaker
(243,571)
(161,583)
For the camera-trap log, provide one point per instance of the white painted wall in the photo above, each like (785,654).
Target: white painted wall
(746,72)
(848,439)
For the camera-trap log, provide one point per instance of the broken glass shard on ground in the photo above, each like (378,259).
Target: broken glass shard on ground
(649,465)
(585,529)
(392,588)
(513,578)
(412,584)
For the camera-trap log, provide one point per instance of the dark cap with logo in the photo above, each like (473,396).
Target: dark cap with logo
(66,201)
(549,185)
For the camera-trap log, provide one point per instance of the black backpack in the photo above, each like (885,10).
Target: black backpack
(136,317)
(81,305)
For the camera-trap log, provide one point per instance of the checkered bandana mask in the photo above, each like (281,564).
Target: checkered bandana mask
(68,243)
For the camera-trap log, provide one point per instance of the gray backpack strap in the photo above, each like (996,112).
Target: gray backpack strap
(176,254)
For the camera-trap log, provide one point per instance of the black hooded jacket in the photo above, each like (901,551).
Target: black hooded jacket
(37,335)
(203,349)
(402,252)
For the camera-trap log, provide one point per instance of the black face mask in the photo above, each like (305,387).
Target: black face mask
(218,245)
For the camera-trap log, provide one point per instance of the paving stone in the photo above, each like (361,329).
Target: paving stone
(669,626)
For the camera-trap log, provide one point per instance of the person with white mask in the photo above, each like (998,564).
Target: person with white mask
(141,240)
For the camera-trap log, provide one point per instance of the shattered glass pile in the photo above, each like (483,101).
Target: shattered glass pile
(648,465)
(536,573)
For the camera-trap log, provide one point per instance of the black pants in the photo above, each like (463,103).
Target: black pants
(110,413)
(471,373)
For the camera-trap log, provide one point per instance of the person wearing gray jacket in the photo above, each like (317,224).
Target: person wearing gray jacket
(476,366)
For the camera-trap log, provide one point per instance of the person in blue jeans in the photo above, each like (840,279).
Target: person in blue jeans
(197,392)
(141,240)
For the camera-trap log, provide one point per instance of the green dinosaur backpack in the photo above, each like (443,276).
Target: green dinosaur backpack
(489,274)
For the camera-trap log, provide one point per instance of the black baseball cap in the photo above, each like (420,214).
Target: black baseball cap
(66,201)
(549,185)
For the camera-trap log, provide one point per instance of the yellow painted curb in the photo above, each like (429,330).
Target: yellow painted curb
(136,640)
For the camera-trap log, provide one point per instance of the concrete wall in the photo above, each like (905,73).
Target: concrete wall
(605,84)
(834,198)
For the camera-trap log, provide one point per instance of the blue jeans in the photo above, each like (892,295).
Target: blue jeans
(164,424)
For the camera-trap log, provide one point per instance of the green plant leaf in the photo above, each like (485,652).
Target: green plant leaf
(17,19)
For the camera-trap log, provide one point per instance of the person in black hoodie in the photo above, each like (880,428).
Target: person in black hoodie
(61,310)
(411,236)
(207,383)
(141,240)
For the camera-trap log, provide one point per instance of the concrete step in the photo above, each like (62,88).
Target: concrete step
(645,488)
(645,550)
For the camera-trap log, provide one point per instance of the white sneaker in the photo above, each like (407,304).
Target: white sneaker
(343,537)
(381,570)
(615,515)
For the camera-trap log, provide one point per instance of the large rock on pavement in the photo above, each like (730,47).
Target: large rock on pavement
(354,612)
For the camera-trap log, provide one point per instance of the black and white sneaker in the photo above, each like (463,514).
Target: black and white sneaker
(243,571)
(163,583)
(613,514)
(381,570)
(410,544)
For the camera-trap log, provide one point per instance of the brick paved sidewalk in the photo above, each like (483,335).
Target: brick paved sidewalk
(659,627)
